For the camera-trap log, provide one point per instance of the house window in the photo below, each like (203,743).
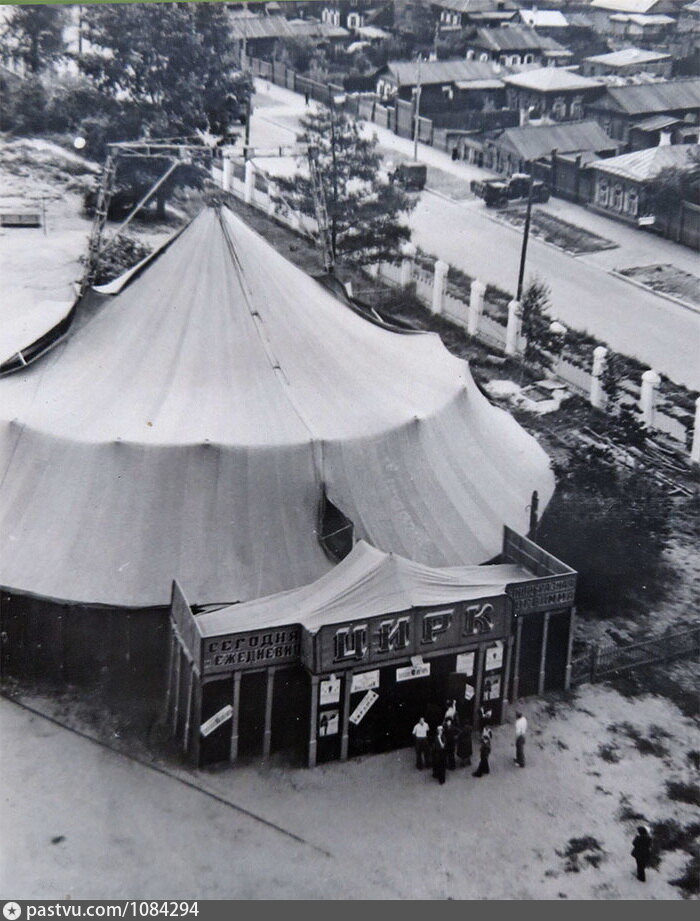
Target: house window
(577,107)
(448,92)
(559,108)
(483,56)
(633,202)
(617,197)
(529,58)
(470,54)
(603,192)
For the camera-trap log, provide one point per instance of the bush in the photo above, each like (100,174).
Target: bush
(121,255)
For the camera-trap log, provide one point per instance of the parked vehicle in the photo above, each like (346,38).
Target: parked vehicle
(410,176)
(499,192)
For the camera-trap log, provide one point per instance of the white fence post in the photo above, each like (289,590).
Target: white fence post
(249,190)
(476,306)
(600,357)
(439,286)
(647,399)
(513,327)
(406,277)
(227,174)
(695,450)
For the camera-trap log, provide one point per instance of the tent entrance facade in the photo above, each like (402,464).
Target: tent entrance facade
(352,680)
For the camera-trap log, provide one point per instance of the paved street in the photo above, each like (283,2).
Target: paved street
(635,321)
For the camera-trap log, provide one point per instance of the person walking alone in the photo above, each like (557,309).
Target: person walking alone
(464,745)
(484,753)
(520,735)
(641,851)
(450,743)
(420,736)
(439,755)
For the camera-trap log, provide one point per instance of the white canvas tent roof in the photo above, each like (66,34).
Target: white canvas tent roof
(187,429)
(365,584)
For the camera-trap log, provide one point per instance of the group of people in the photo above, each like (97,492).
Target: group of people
(441,745)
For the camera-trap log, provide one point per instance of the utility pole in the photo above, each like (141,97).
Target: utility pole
(334,229)
(526,234)
(417,110)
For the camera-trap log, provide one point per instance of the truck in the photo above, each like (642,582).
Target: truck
(410,176)
(499,192)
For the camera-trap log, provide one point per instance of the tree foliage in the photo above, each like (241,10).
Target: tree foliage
(170,66)
(34,34)
(365,210)
(612,527)
(665,193)
(539,343)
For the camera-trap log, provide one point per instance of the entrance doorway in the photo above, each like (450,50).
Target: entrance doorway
(251,718)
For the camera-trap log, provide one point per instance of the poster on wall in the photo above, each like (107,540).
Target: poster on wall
(328,723)
(365,681)
(361,710)
(492,688)
(465,663)
(468,692)
(494,657)
(330,691)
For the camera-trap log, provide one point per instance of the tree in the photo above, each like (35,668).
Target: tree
(535,325)
(610,381)
(666,192)
(365,209)
(34,34)
(173,65)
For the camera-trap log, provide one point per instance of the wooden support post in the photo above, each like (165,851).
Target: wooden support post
(267,735)
(345,737)
(235,716)
(516,668)
(313,718)
(506,677)
(171,670)
(543,653)
(194,747)
(176,702)
(188,712)
(479,676)
(569,648)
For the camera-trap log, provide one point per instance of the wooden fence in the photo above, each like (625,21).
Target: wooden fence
(601,662)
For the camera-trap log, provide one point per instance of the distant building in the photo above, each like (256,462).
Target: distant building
(260,34)
(662,129)
(545,21)
(645,7)
(445,85)
(552,93)
(620,182)
(514,45)
(457,14)
(628,61)
(515,149)
(621,107)
(647,29)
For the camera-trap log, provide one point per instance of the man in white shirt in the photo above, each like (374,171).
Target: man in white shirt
(520,734)
(420,735)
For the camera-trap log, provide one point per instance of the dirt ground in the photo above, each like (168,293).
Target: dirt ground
(669,279)
(85,819)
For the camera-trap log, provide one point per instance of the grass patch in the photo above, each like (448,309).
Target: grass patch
(682,792)
(609,753)
(645,745)
(693,757)
(670,835)
(584,850)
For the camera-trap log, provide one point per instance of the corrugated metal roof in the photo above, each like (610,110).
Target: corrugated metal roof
(657,122)
(642,165)
(473,6)
(551,79)
(513,38)
(544,19)
(534,141)
(279,27)
(406,72)
(625,6)
(664,96)
(643,19)
(627,57)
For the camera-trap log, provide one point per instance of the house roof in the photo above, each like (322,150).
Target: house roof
(652,98)
(550,80)
(406,72)
(475,6)
(658,123)
(252,27)
(642,165)
(628,57)
(625,6)
(530,142)
(544,19)
(513,38)
(191,425)
(642,19)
